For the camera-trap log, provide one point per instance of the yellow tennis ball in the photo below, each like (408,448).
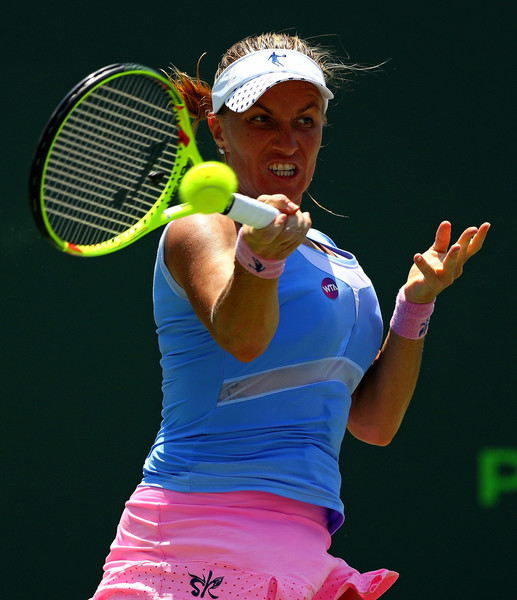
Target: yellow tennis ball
(208,187)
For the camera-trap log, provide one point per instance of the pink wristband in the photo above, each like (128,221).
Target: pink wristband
(411,320)
(267,268)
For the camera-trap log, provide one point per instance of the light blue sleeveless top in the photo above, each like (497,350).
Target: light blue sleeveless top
(275,424)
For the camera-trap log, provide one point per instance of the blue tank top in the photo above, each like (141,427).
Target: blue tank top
(275,424)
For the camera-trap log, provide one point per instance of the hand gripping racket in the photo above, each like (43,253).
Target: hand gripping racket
(112,158)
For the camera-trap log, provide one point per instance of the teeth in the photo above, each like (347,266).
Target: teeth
(283,170)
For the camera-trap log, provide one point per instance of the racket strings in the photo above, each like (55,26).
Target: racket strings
(97,181)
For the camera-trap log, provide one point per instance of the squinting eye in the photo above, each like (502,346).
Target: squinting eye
(260,118)
(306,120)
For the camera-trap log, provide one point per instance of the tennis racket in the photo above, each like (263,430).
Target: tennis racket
(110,162)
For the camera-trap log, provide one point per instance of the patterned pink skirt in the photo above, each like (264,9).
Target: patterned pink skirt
(228,546)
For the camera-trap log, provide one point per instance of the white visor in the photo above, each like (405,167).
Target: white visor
(242,83)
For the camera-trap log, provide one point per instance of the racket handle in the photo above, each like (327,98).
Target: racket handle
(251,212)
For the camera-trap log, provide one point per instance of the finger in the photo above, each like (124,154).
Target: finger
(471,241)
(466,236)
(295,231)
(464,242)
(281,237)
(452,264)
(298,223)
(477,241)
(443,237)
(424,267)
(468,244)
(281,202)
(444,273)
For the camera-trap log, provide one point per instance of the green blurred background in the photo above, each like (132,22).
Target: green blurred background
(429,137)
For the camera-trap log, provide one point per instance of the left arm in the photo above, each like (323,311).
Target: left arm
(382,398)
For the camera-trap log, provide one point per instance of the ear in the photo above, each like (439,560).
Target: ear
(216,129)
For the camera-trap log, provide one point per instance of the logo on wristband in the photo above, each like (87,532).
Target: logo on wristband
(329,287)
(257,266)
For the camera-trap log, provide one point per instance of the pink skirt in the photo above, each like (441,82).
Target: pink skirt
(228,546)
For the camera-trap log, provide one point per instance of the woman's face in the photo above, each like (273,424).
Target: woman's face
(273,146)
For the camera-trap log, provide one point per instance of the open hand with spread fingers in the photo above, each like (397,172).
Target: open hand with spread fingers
(441,265)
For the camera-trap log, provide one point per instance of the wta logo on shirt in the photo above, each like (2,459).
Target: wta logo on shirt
(329,287)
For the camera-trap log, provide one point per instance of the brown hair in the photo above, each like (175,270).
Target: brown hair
(198,95)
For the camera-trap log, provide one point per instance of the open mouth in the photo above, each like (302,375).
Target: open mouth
(283,169)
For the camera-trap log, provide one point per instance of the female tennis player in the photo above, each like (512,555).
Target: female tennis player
(271,343)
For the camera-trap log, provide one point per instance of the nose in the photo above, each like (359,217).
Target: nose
(285,140)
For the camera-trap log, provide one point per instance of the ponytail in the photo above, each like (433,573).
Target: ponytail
(196,93)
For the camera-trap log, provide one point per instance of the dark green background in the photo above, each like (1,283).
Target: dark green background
(431,137)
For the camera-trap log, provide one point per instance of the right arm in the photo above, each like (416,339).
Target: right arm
(239,309)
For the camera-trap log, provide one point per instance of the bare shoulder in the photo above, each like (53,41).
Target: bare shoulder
(204,229)
(201,245)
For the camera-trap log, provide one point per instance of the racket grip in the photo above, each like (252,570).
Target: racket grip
(251,212)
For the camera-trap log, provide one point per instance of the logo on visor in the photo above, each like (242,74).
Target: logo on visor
(330,288)
(274,59)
